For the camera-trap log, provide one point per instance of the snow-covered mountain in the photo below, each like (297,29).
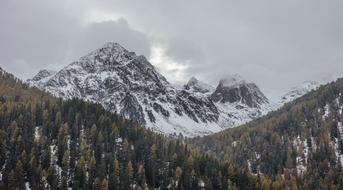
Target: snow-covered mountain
(298,91)
(128,84)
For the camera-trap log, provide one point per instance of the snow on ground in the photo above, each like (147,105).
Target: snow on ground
(313,143)
(326,111)
(176,124)
(335,145)
(302,156)
(37,133)
(338,153)
(340,129)
(235,114)
(27,186)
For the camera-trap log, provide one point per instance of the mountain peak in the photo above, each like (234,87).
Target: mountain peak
(231,81)
(192,81)
(112,45)
(110,52)
(195,85)
(234,89)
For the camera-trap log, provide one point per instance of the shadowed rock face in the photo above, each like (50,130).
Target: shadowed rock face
(240,91)
(132,109)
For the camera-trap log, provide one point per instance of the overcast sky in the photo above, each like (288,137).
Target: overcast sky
(276,44)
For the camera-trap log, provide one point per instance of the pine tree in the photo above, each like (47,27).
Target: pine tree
(12,181)
(141,175)
(104,185)
(20,177)
(97,183)
(116,171)
(52,178)
(129,174)
(265,184)
(92,170)
(178,175)
(58,124)
(231,186)
(65,169)
(80,174)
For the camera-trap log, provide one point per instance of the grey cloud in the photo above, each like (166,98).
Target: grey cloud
(182,49)
(40,34)
(96,34)
(276,44)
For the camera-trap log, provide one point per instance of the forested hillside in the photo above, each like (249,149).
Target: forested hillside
(47,143)
(300,146)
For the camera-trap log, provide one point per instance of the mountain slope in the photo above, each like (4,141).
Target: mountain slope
(302,141)
(129,85)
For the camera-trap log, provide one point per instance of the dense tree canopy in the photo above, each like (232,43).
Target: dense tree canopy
(49,143)
(297,146)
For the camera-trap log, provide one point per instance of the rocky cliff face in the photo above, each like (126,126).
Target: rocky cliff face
(234,89)
(128,84)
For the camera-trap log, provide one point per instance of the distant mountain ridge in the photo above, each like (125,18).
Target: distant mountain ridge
(298,91)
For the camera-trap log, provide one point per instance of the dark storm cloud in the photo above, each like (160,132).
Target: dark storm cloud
(276,44)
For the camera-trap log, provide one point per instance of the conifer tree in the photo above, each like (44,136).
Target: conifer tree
(20,176)
(129,174)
